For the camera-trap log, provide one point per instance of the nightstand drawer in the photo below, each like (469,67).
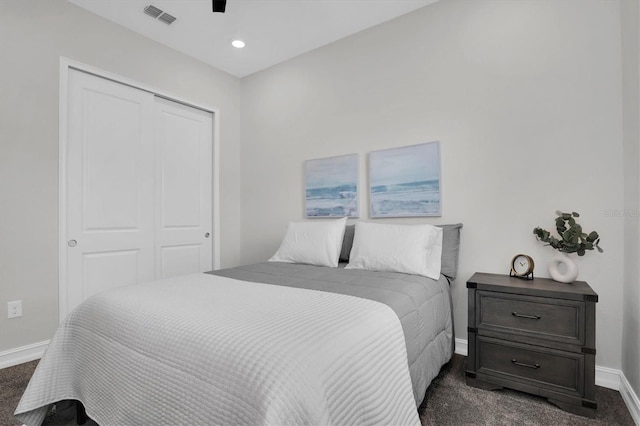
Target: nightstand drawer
(539,317)
(548,368)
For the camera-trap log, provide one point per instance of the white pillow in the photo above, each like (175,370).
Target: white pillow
(410,249)
(313,243)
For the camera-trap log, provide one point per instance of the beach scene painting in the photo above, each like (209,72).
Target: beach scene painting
(405,182)
(331,186)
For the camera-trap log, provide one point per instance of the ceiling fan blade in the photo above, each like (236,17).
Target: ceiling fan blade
(219,5)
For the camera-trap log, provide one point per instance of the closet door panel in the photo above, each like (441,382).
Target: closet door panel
(109,181)
(112,160)
(180,259)
(183,189)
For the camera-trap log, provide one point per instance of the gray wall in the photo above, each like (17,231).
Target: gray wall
(33,36)
(525,97)
(631,102)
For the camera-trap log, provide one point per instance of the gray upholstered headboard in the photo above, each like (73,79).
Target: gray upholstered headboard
(450,247)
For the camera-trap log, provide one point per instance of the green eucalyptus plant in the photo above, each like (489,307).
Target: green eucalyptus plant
(571,237)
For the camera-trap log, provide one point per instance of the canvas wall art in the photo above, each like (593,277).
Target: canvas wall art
(405,182)
(331,186)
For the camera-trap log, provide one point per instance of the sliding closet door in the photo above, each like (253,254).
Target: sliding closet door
(110,186)
(137,188)
(183,189)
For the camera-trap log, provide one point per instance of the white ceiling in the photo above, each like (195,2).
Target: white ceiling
(274,30)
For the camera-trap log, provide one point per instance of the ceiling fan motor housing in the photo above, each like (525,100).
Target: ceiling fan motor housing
(219,5)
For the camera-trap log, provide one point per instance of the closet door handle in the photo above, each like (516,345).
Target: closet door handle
(207,235)
(72,243)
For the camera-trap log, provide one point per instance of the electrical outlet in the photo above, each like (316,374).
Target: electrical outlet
(14,309)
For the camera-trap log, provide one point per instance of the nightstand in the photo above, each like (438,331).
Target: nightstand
(536,336)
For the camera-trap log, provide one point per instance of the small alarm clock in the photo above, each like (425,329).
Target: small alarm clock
(522,266)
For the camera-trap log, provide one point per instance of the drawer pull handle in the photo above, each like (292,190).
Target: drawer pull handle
(535,317)
(522,364)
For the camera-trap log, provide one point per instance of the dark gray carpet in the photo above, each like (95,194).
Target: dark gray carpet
(13,380)
(449,401)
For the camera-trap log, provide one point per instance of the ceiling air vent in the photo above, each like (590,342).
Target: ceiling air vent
(159,14)
(152,11)
(166,18)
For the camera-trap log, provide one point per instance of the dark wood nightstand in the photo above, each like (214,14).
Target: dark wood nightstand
(536,336)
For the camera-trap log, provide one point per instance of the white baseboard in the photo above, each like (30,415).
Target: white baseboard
(606,377)
(462,347)
(615,379)
(22,354)
(630,398)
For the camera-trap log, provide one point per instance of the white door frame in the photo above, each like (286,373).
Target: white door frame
(65,65)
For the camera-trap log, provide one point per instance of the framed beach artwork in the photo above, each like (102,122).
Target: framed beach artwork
(405,182)
(331,187)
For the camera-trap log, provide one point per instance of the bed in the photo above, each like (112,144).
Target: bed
(278,342)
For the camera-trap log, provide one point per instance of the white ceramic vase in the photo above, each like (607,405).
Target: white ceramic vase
(562,268)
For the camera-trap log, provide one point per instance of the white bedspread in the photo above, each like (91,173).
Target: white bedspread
(203,350)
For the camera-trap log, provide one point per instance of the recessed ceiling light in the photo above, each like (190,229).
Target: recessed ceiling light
(238,44)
